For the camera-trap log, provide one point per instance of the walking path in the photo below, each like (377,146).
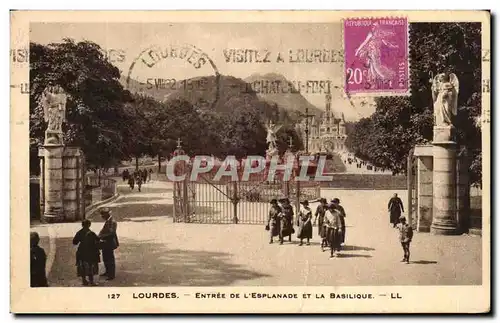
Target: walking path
(154,251)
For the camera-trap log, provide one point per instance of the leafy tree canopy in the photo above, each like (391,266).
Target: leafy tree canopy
(94,111)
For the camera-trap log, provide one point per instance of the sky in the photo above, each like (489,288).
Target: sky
(128,43)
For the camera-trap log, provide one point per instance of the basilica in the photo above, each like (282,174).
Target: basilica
(327,133)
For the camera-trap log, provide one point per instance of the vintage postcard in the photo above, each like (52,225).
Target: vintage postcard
(250,162)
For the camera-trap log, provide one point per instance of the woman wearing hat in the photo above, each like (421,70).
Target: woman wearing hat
(334,228)
(286,223)
(87,254)
(339,207)
(38,277)
(273,223)
(319,217)
(304,222)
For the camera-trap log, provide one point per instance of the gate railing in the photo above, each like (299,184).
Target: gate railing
(205,200)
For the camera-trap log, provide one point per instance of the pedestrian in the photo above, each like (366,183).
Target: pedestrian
(334,229)
(273,223)
(405,236)
(131,182)
(286,223)
(125,175)
(144,175)
(38,276)
(150,174)
(395,207)
(87,254)
(304,218)
(139,181)
(340,208)
(319,218)
(109,242)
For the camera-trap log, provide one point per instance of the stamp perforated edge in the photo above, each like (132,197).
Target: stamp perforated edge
(381,93)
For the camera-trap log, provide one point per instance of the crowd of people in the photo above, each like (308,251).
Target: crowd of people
(88,254)
(138,177)
(330,220)
(350,160)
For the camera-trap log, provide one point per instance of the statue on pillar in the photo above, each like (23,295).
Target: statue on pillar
(445,89)
(53,101)
(271,138)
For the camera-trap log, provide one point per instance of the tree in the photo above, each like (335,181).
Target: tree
(95,111)
(398,124)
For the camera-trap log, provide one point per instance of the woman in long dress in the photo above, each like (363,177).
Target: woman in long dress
(87,254)
(319,218)
(273,223)
(38,275)
(304,223)
(340,208)
(334,229)
(286,223)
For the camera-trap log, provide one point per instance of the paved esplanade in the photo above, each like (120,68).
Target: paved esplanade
(155,251)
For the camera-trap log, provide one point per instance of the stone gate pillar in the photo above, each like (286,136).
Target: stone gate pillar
(444,178)
(61,174)
(424,155)
(53,181)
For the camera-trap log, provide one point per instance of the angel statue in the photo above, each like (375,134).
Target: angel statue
(271,138)
(53,101)
(371,50)
(445,97)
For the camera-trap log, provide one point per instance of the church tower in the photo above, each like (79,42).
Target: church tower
(328,104)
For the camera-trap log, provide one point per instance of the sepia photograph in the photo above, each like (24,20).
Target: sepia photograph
(180,157)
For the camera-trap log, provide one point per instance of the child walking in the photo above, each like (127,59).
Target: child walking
(405,236)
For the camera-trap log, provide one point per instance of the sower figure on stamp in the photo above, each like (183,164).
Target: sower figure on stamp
(340,208)
(304,223)
(320,219)
(87,254)
(405,236)
(37,262)
(395,207)
(371,50)
(334,229)
(273,223)
(109,242)
(286,223)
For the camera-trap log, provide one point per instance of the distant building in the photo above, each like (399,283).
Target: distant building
(327,132)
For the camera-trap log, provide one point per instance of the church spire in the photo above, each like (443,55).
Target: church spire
(328,99)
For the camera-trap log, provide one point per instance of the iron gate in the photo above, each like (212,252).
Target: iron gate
(226,201)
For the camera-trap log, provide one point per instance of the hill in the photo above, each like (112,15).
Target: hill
(289,101)
(221,95)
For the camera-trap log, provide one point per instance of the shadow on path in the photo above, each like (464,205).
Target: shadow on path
(423,262)
(356,248)
(352,255)
(153,264)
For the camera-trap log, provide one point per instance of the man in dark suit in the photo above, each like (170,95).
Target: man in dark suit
(109,242)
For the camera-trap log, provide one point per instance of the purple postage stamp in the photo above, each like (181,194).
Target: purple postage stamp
(376,56)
